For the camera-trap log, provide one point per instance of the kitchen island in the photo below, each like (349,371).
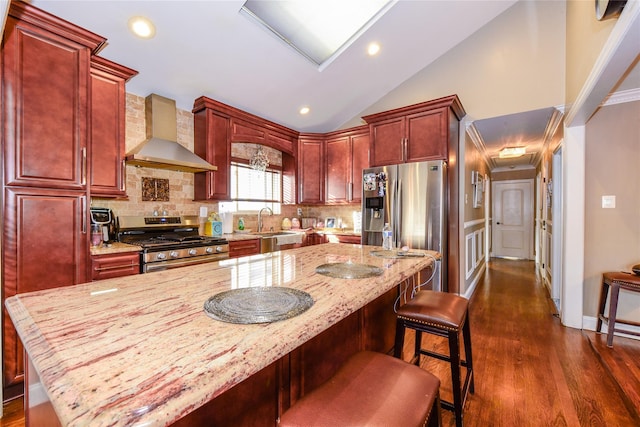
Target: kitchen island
(140,350)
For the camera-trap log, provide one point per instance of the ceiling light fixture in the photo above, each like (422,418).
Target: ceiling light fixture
(305,110)
(512,152)
(142,27)
(373,49)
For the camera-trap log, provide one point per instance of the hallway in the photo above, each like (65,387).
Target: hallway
(529,369)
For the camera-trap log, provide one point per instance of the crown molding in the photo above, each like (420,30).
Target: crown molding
(622,97)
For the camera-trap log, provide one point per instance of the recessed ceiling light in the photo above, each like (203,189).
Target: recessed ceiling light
(142,27)
(373,49)
(512,152)
(305,110)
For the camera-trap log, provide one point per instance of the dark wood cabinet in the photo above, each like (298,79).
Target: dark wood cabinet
(107,127)
(40,253)
(343,238)
(347,154)
(311,170)
(45,93)
(414,133)
(56,107)
(212,143)
(239,248)
(114,265)
(216,127)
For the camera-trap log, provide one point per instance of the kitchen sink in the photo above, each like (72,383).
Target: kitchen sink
(269,240)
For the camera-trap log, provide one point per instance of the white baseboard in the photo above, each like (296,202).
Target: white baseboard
(472,286)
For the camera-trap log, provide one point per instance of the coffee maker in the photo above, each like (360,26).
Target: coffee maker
(105,219)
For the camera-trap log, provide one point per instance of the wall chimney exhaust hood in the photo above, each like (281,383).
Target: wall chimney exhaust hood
(161,149)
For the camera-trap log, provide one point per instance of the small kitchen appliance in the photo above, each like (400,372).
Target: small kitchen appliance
(170,241)
(106,221)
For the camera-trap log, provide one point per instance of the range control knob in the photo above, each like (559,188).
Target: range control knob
(174,254)
(161,255)
(193,252)
(219,249)
(209,250)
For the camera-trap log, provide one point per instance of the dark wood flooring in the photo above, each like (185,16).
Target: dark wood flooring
(529,369)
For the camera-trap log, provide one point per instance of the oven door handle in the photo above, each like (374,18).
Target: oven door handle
(164,265)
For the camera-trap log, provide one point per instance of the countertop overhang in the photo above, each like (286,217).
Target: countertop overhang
(141,350)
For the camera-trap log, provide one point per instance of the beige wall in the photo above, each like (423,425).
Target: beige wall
(473,161)
(612,236)
(585,38)
(513,64)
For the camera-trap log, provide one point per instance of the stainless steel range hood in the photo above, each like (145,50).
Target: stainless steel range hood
(161,149)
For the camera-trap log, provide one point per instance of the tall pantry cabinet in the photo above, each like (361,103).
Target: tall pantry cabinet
(46,148)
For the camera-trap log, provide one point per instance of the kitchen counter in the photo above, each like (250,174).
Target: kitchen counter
(114,248)
(140,350)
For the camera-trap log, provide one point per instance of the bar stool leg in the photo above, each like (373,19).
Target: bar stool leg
(399,344)
(613,308)
(466,334)
(604,292)
(418,348)
(454,355)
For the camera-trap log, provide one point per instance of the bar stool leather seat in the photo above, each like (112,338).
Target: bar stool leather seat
(370,389)
(446,315)
(615,280)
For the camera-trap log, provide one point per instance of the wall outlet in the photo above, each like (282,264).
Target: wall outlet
(299,211)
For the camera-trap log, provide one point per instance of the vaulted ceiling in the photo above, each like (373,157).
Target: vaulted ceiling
(209,48)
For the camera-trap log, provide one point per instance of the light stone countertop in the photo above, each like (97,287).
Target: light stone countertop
(139,350)
(114,248)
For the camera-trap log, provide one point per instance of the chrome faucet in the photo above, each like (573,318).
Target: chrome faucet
(260,218)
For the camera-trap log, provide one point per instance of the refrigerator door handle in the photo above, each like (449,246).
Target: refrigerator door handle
(397,224)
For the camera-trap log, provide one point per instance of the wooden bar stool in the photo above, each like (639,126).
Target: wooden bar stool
(615,281)
(442,314)
(370,389)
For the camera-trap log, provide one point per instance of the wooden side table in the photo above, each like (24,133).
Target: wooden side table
(615,281)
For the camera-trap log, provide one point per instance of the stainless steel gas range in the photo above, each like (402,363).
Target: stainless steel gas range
(170,241)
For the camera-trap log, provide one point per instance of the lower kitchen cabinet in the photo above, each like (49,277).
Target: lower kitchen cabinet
(239,248)
(114,265)
(39,254)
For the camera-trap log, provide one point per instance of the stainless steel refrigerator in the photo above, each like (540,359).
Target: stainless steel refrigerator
(411,198)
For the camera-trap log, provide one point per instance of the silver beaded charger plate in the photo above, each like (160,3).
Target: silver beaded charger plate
(348,270)
(257,304)
(385,254)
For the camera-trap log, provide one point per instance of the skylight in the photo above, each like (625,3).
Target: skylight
(318,29)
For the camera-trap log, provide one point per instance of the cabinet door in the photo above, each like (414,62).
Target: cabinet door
(45,246)
(338,170)
(311,171)
(108,111)
(359,162)
(388,142)
(45,88)
(427,136)
(211,142)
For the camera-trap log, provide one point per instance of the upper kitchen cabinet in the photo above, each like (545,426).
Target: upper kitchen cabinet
(108,111)
(347,154)
(216,127)
(311,169)
(414,133)
(45,95)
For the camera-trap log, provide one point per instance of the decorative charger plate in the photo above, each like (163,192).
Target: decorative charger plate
(257,304)
(348,270)
(396,254)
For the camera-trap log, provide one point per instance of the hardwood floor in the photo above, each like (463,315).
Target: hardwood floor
(532,371)
(529,369)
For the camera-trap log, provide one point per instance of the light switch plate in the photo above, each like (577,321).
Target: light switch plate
(608,202)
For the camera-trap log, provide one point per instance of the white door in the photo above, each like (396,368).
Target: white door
(513,219)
